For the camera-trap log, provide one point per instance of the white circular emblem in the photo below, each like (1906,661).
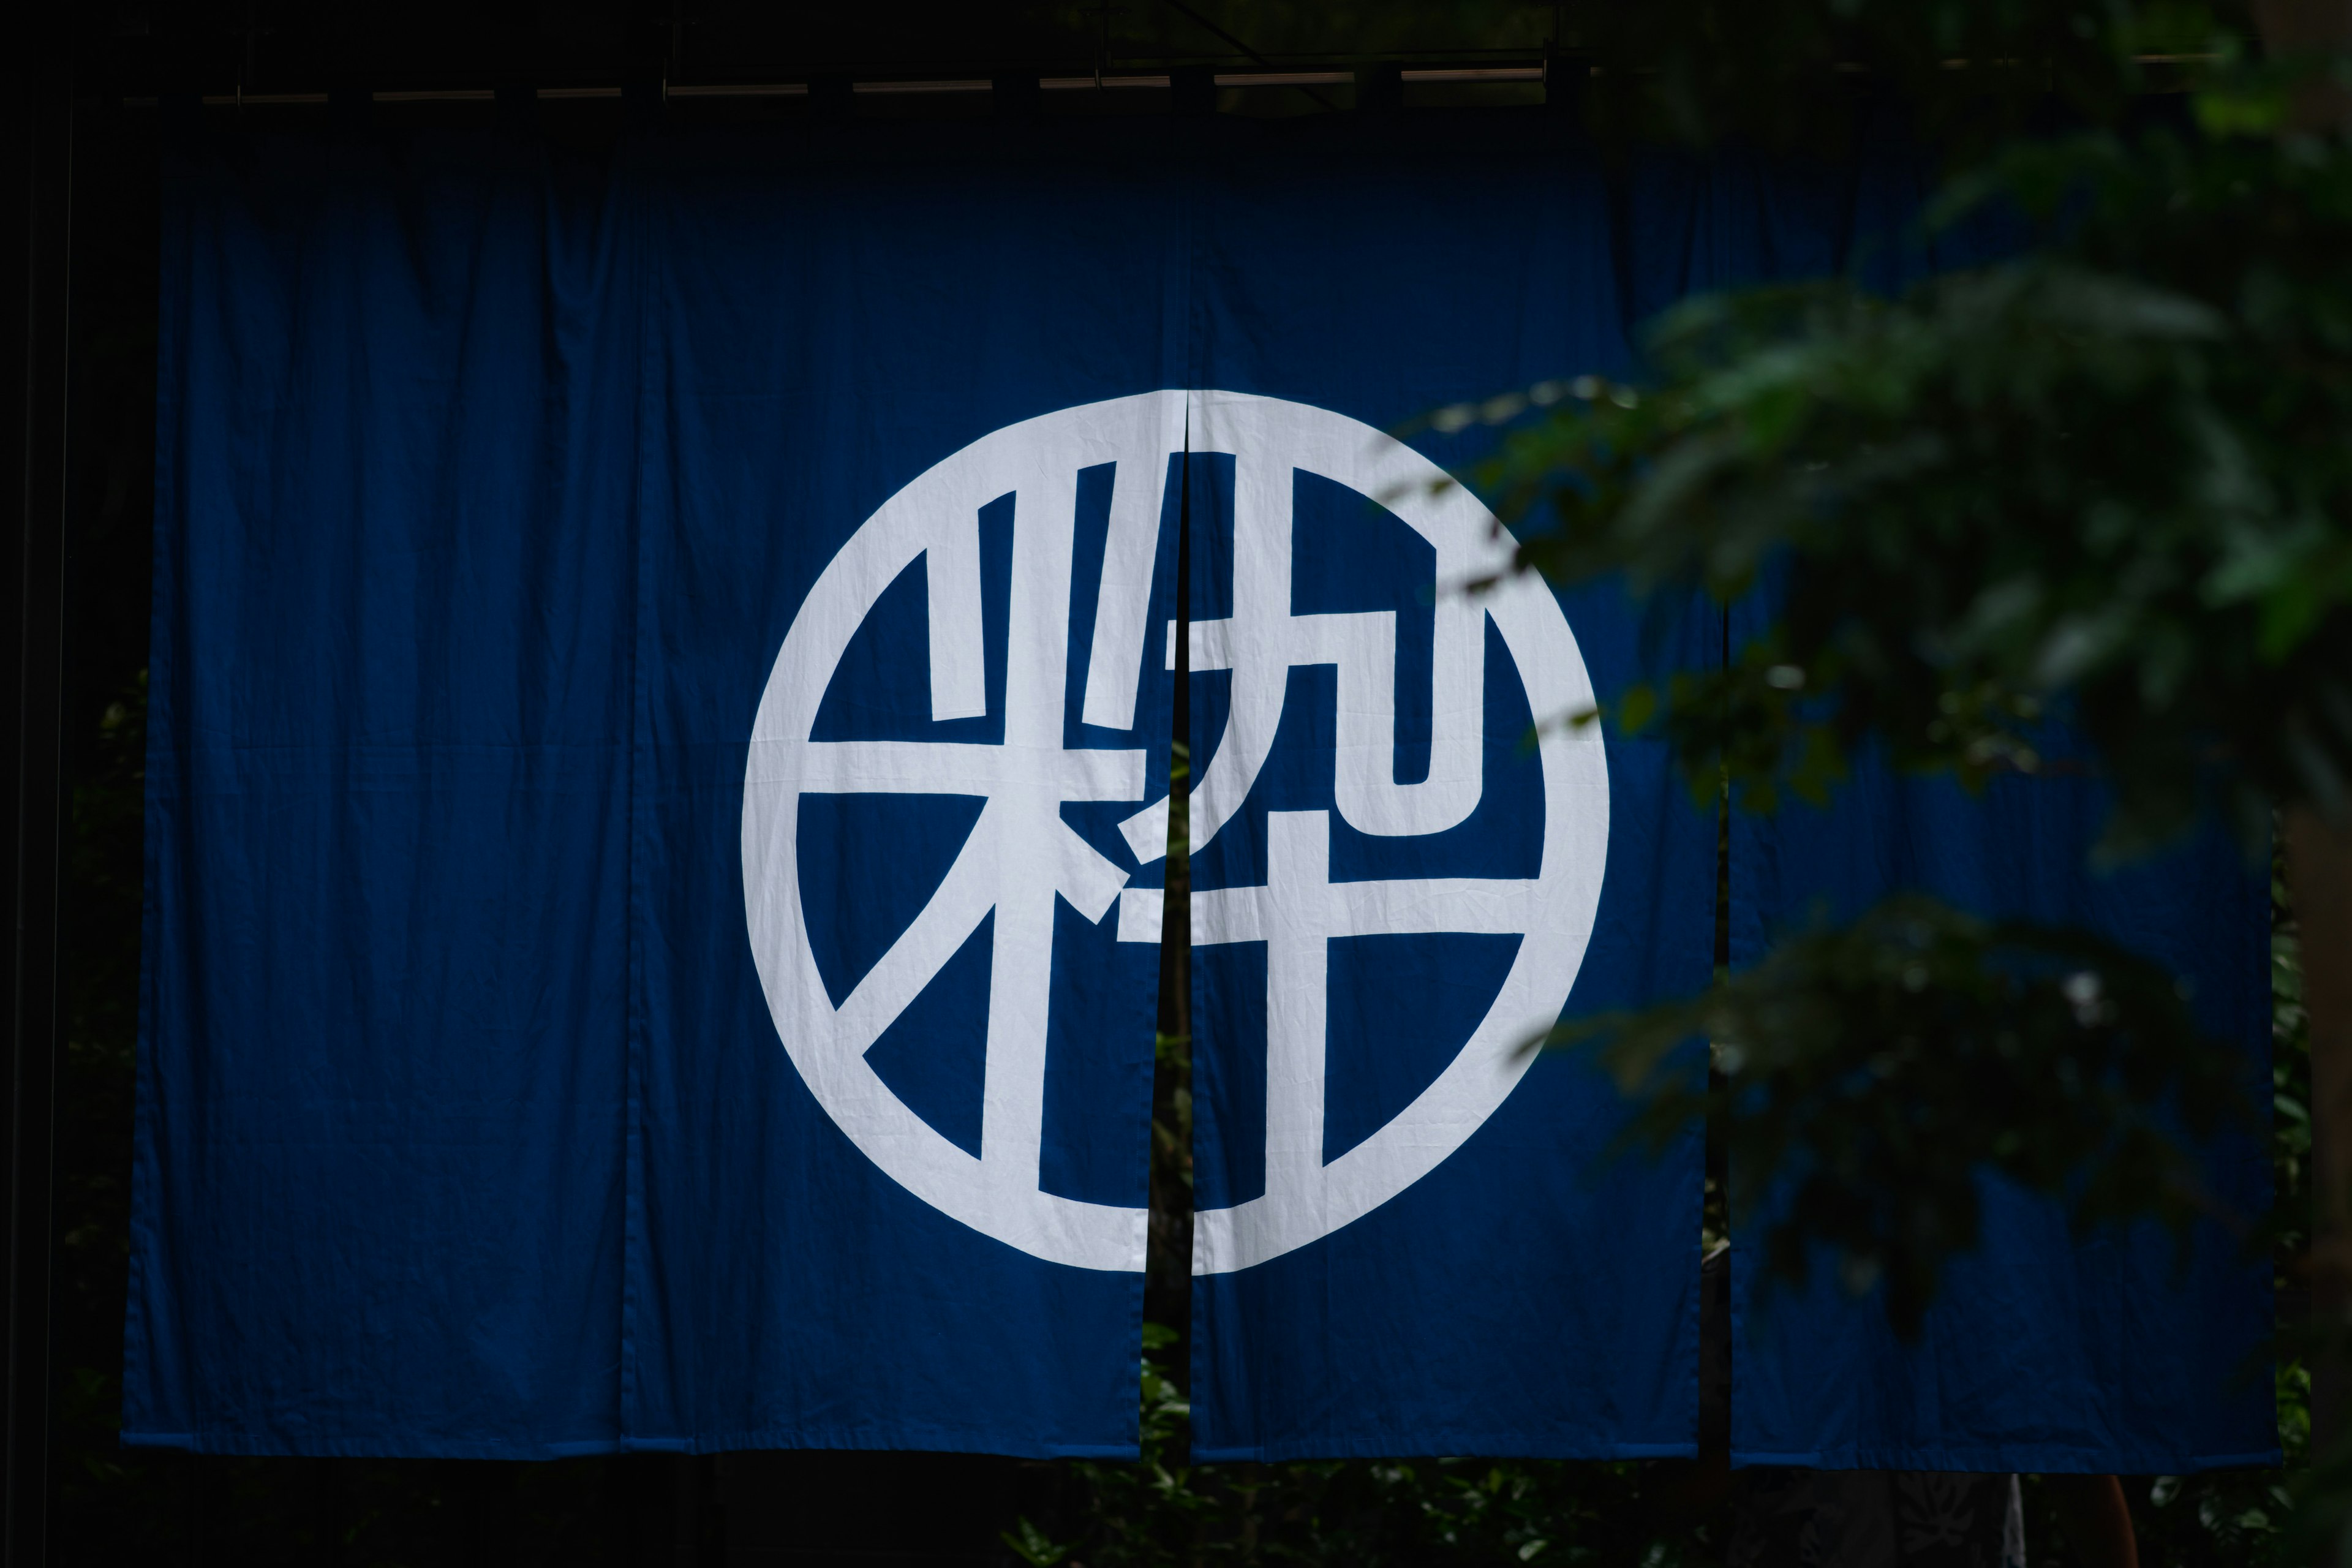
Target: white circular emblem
(1020,856)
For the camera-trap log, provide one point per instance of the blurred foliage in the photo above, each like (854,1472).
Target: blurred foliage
(2234,1517)
(1794,74)
(1873,1074)
(2101,481)
(1503,1512)
(1368,1511)
(2095,488)
(2103,477)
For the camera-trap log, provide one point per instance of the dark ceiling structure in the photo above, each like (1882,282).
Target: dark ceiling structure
(1279,56)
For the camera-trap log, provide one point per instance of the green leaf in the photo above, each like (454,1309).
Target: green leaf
(1031,1545)
(1636,708)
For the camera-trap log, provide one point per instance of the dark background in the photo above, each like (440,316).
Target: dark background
(90,90)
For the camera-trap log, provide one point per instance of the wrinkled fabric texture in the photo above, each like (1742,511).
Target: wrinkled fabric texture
(1785,1518)
(1536,1292)
(384,1074)
(492,486)
(663,691)
(2041,1354)
(662,731)
(2042,1351)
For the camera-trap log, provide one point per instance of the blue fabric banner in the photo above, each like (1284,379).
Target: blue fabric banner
(1409,1239)
(663,686)
(662,699)
(645,714)
(378,1196)
(2041,1352)
(908,539)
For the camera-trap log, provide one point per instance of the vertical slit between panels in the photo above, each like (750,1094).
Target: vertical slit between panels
(1168,1266)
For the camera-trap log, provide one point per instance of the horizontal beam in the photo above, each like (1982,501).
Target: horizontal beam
(886,87)
(1449,74)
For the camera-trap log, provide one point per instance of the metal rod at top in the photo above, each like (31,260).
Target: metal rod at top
(1105,83)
